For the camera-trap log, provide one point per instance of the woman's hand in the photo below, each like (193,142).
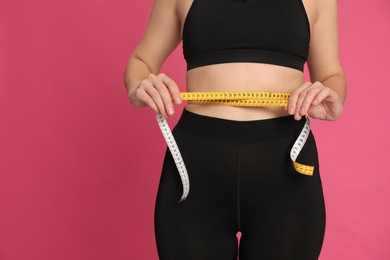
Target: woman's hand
(157,92)
(316,100)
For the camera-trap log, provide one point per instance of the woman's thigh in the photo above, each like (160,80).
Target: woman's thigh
(204,225)
(282,212)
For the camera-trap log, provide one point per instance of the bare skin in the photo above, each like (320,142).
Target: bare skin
(322,97)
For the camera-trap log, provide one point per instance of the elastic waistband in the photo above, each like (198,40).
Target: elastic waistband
(239,131)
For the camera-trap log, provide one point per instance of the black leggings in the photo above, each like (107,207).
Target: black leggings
(241,180)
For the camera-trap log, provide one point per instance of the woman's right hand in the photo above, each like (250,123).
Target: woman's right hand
(158,92)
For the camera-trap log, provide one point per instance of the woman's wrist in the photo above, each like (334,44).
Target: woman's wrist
(132,94)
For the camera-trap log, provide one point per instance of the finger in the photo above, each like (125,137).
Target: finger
(164,93)
(329,94)
(144,97)
(308,101)
(155,95)
(301,97)
(173,88)
(299,103)
(325,93)
(292,102)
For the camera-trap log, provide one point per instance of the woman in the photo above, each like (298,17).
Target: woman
(238,157)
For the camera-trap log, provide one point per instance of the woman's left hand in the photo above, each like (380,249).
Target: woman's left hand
(316,100)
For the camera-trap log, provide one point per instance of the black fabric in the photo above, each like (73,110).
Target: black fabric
(265,31)
(241,179)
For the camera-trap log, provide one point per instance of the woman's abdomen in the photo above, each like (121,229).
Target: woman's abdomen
(242,76)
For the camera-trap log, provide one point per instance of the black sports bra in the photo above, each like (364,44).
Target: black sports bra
(264,31)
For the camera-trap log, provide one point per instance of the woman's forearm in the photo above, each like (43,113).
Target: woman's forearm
(135,71)
(337,82)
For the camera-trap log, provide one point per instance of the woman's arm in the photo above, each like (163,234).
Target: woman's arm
(324,98)
(162,35)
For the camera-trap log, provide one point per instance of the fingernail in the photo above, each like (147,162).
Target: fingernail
(302,111)
(291,111)
(170,111)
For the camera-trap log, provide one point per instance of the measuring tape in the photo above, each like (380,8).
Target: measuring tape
(233,98)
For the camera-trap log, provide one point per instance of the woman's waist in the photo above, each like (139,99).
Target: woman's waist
(225,129)
(238,113)
(238,105)
(244,79)
(242,85)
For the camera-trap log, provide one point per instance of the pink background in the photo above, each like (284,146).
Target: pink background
(79,166)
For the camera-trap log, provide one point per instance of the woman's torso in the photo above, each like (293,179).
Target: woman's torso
(242,76)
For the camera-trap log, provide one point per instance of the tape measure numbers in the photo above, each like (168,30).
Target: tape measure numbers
(233,98)
(174,149)
(237,98)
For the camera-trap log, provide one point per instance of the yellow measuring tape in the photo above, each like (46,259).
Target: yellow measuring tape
(234,98)
(237,98)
